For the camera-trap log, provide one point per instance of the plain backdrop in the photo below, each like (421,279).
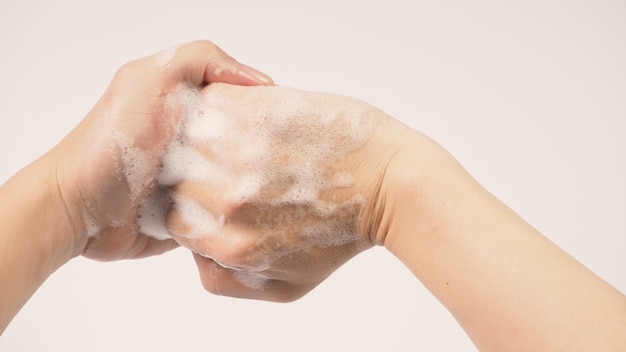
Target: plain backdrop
(530,96)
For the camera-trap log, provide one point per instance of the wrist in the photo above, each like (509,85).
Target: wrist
(66,198)
(395,183)
(62,229)
(420,184)
(35,231)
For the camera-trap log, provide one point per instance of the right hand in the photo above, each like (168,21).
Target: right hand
(284,186)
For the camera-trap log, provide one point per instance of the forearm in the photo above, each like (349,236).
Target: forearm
(507,285)
(35,235)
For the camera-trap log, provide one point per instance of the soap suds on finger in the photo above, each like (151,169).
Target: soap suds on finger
(252,280)
(153,214)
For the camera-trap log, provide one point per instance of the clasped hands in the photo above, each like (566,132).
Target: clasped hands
(271,188)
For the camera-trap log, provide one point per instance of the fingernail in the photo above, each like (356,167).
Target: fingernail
(255,75)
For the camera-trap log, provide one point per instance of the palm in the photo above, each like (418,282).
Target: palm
(129,139)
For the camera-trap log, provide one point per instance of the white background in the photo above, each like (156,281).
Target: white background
(529,95)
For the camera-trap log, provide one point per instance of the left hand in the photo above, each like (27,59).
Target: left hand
(109,164)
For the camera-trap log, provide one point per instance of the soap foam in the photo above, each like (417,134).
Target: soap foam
(255,281)
(201,222)
(268,147)
(153,214)
(136,164)
(92,229)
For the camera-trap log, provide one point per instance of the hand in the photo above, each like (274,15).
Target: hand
(275,188)
(108,165)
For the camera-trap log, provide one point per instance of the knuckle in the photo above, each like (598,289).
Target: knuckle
(127,74)
(203,44)
(127,70)
(233,256)
(176,225)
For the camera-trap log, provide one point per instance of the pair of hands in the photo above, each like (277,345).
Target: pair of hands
(273,189)
(290,186)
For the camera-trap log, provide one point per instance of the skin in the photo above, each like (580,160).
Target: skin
(508,286)
(81,177)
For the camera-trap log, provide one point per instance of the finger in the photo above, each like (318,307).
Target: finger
(241,284)
(202,62)
(230,244)
(147,246)
(117,243)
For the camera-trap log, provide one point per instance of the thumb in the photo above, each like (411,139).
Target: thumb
(203,62)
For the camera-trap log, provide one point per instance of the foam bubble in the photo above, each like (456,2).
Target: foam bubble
(182,163)
(253,280)
(137,164)
(153,214)
(248,187)
(92,229)
(201,222)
